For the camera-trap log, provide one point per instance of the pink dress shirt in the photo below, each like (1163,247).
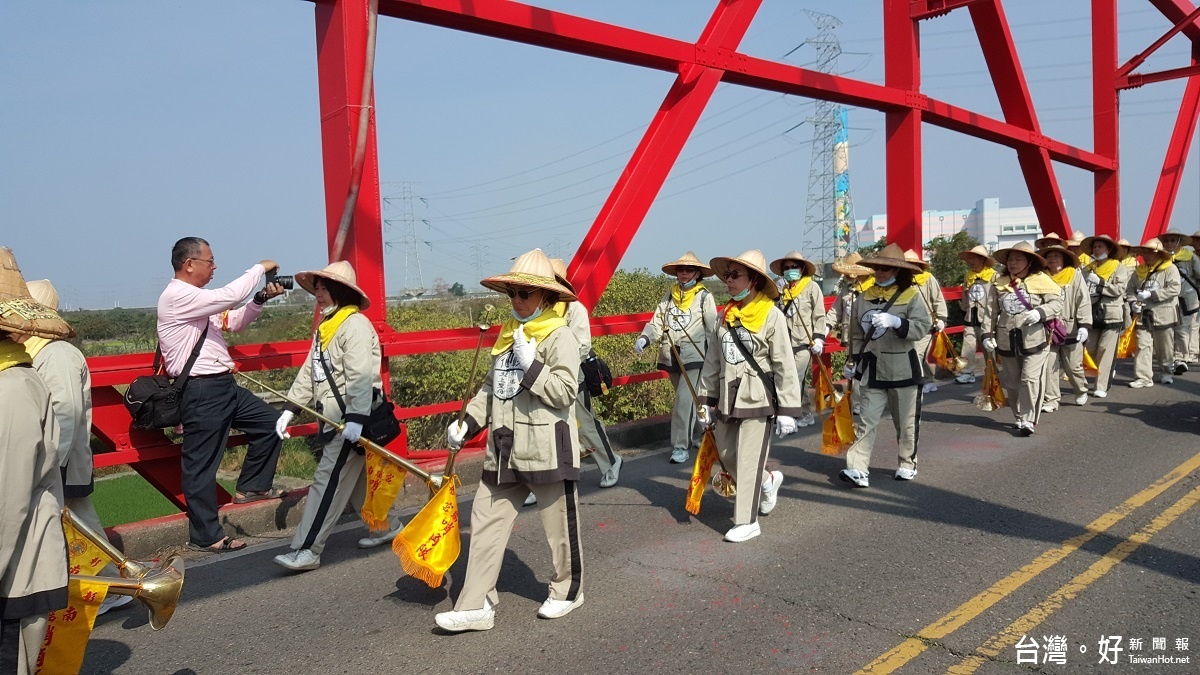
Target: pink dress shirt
(183,310)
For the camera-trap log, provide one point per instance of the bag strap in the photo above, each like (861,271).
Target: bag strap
(337,396)
(187,367)
(767,382)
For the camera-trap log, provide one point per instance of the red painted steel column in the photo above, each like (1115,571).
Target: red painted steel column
(622,214)
(1177,153)
(1106,123)
(902,70)
(341,53)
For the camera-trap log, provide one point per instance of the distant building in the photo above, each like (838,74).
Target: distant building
(989,224)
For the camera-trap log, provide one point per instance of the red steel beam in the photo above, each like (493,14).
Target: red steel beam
(1176,157)
(902,162)
(1145,53)
(1106,126)
(928,9)
(1138,79)
(1177,12)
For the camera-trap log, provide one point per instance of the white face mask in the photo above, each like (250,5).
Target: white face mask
(688,284)
(1100,256)
(885,284)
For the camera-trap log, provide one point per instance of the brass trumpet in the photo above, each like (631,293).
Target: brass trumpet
(157,587)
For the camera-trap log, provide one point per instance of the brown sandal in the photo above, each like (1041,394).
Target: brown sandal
(246,498)
(226,545)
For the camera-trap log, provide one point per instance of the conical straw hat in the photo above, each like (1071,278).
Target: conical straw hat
(1050,240)
(19,312)
(796,256)
(849,266)
(339,271)
(43,291)
(688,259)
(915,258)
(978,251)
(1117,250)
(1070,259)
(1025,247)
(752,259)
(890,256)
(1076,239)
(530,270)
(1184,240)
(1152,248)
(560,273)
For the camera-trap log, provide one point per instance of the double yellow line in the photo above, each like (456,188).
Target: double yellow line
(912,647)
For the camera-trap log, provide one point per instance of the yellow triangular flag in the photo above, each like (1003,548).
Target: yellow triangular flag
(1127,344)
(1089,364)
(85,557)
(67,630)
(837,432)
(822,386)
(384,481)
(701,472)
(429,544)
(942,353)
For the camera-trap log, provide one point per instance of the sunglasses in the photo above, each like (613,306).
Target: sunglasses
(732,275)
(523,294)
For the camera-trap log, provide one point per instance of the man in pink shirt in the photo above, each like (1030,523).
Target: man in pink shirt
(212,402)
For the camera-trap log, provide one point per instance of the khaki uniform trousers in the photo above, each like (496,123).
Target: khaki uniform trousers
(84,512)
(1065,359)
(591,431)
(21,639)
(340,479)
(922,347)
(743,445)
(1185,337)
(683,415)
(1024,382)
(1102,345)
(904,403)
(803,366)
(1155,348)
(492,515)
(970,348)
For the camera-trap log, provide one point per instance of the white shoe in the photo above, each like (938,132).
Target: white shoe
(857,409)
(1082,399)
(530,500)
(739,533)
(611,476)
(1141,384)
(1049,407)
(929,388)
(1026,428)
(557,609)
(965,378)
(806,420)
(1100,393)
(113,602)
(679,455)
(769,492)
(858,478)
(1167,378)
(471,619)
(372,542)
(905,474)
(299,561)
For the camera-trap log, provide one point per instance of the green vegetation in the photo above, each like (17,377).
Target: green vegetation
(129,498)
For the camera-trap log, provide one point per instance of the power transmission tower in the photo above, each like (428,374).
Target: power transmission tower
(480,258)
(401,205)
(829,231)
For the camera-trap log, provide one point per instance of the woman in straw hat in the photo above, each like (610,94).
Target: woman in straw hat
(1062,266)
(690,315)
(931,295)
(1188,265)
(889,320)
(1021,301)
(527,403)
(749,376)
(801,301)
(974,306)
(855,280)
(1154,296)
(1107,281)
(33,550)
(342,377)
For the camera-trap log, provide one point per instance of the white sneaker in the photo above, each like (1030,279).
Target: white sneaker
(557,609)
(739,533)
(1167,378)
(471,619)
(1081,399)
(1026,428)
(858,478)
(530,500)
(1141,384)
(1049,407)
(806,420)
(905,474)
(679,455)
(611,476)
(1100,393)
(857,409)
(769,492)
(965,378)
(299,561)
(112,602)
(372,542)
(929,388)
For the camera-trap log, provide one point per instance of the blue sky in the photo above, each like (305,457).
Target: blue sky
(128,124)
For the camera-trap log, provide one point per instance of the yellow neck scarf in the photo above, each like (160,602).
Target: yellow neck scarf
(1064,276)
(329,326)
(1130,261)
(683,299)
(546,323)
(1084,258)
(876,293)
(986,275)
(751,312)
(866,283)
(1184,255)
(793,290)
(920,278)
(1144,271)
(1038,282)
(1105,269)
(13,354)
(34,345)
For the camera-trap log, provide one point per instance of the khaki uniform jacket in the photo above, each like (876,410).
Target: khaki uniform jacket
(890,361)
(698,323)
(931,291)
(353,357)
(1003,320)
(837,319)
(729,383)
(33,550)
(1162,309)
(974,302)
(530,415)
(1077,307)
(65,371)
(1189,274)
(805,316)
(1108,295)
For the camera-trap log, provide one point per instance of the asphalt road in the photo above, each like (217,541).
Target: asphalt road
(1082,531)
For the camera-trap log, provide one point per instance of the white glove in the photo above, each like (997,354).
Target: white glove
(939,326)
(1143,295)
(885,320)
(1082,334)
(706,416)
(1136,307)
(989,344)
(818,346)
(524,348)
(352,432)
(641,344)
(848,370)
(1031,317)
(784,425)
(1092,279)
(281,424)
(456,434)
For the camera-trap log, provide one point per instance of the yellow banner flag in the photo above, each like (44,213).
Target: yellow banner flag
(837,432)
(85,557)
(67,630)
(942,353)
(430,544)
(822,386)
(1127,344)
(991,395)
(701,472)
(384,481)
(1089,364)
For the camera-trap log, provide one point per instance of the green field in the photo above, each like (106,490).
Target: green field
(129,498)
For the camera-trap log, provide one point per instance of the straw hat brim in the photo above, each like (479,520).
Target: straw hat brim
(26,316)
(502,282)
(308,281)
(1072,259)
(921,264)
(890,263)
(670,268)
(720,265)
(1184,239)
(1001,256)
(987,259)
(809,268)
(1146,251)
(1118,250)
(852,270)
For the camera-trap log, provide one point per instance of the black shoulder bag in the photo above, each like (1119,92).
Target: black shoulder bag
(597,376)
(153,400)
(382,427)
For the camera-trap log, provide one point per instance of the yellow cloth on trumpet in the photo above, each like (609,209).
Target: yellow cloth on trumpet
(430,543)
(1064,276)
(683,299)
(822,386)
(942,353)
(328,327)
(701,472)
(83,557)
(13,354)
(1127,344)
(68,630)
(837,432)
(986,274)
(1089,364)
(384,481)
(793,290)
(752,312)
(991,395)
(546,323)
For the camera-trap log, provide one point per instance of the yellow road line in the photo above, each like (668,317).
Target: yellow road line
(908,650)
(1034,617)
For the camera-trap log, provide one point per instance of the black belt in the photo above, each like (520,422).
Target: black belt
(213,375)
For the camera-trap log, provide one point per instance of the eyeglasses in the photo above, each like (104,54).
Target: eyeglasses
(211,261)
(787,267)
(732,275)
(523,294)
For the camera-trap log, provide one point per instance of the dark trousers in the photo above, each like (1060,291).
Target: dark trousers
(10,646)
(210,407)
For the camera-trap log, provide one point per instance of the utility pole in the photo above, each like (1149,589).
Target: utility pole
(480,258)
